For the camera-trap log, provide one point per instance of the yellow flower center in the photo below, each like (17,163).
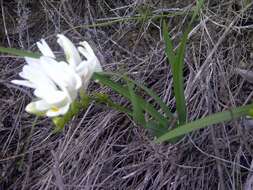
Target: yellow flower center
(54,109)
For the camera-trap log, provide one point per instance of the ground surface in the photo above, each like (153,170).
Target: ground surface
(104,149)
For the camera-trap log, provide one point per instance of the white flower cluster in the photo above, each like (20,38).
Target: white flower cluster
(56,83)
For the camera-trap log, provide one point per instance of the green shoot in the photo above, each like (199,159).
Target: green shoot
(176,60)
(206,121)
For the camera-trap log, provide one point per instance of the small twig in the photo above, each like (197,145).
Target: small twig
(4,24)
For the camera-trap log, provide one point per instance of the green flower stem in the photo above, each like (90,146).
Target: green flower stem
(83,103)
(105,99)
(206,121)
(75,108)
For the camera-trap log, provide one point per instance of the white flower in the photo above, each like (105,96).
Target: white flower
(56,83)
(85,68)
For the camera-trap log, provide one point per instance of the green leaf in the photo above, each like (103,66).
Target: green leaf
(151,93)
(196,11)
(205,122)
(177,63)
(156,129)
(17,52)
(178,80)
(138,114)
(169,51)
(105,99)
(103,79)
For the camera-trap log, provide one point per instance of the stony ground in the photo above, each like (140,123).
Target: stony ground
(104,149)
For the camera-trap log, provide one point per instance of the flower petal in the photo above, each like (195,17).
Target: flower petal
(45,49)
(92,60)
(55,111)
(87,49)
(23,83)
(98,67)
(78,82)
(31,108)
(37,107)
(84,68)
(32,61)
(62,75)
(36,76)
(51,96)
(41,105)
(85,53)
(71,53)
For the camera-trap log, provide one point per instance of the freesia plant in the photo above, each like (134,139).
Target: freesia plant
(57,83)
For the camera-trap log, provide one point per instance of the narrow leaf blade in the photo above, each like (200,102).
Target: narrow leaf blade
(168,44)
(125,93)
(205,122)
(18,52)
(138,114)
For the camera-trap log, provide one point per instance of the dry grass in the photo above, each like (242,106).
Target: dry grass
(103,149)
